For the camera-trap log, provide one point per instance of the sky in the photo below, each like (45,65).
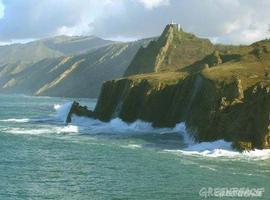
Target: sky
(222,21)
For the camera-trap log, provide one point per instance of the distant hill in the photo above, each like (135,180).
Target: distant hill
(173,50)
(70,76)
(49,48)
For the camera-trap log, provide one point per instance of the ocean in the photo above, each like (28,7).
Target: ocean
(41,157)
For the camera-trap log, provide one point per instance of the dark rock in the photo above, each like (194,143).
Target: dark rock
(78,110)
(210,110)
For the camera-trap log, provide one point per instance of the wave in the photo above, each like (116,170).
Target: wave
(221,148)
(22,120)
(82,125)
(118,126)
(61,114)
(62,111)
(215,149)
(42,131)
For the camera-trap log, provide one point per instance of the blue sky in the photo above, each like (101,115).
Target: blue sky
(1,9)
(223,21)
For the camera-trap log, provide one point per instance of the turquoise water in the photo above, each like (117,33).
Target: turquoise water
(42,158)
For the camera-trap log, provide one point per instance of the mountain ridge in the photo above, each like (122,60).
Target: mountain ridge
(49,48)
(61,76)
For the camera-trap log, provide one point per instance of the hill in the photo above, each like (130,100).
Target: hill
(70,76)
(49,48)
(173,50)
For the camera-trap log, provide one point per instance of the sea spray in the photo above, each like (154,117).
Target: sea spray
(62,111)
(117,126)
(55,124)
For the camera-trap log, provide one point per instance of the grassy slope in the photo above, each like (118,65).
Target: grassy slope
(250,63)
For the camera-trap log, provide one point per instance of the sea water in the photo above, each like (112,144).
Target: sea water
(41,157)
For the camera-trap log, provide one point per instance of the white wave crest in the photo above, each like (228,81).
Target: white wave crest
(25,131)
(62,111)
(118,126)
(45,130)
(68,129)
(221,148)
(17,120)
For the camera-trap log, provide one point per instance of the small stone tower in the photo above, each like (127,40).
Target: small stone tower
(176,26)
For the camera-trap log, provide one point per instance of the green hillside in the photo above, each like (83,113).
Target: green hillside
(173,50)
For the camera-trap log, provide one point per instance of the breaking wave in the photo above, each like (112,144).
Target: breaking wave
(117,126)
(45,130)
(22,120)
(81,125)
(62,111)
(221,148)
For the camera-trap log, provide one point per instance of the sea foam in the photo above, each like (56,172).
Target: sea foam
(82,125)
(22,120)
(117,126)
(220,148)
(62,111)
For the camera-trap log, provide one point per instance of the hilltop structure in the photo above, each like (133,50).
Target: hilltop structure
(176,26)
(170,51)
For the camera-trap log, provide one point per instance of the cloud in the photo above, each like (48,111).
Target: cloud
(43,18)
(224,21)
(154,3)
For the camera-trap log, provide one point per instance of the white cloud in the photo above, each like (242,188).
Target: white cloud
(225,21)
(154,3)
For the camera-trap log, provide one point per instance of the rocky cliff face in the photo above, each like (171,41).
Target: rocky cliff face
(210,108)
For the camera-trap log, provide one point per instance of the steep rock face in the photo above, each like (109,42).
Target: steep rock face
(173,50)
(212,110)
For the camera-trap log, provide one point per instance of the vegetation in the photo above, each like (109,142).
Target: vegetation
(173,50)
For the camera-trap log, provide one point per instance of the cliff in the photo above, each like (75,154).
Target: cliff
(228,100)
(213,107)
(224,95)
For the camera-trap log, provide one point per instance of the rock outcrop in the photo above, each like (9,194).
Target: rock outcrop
(78,110)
